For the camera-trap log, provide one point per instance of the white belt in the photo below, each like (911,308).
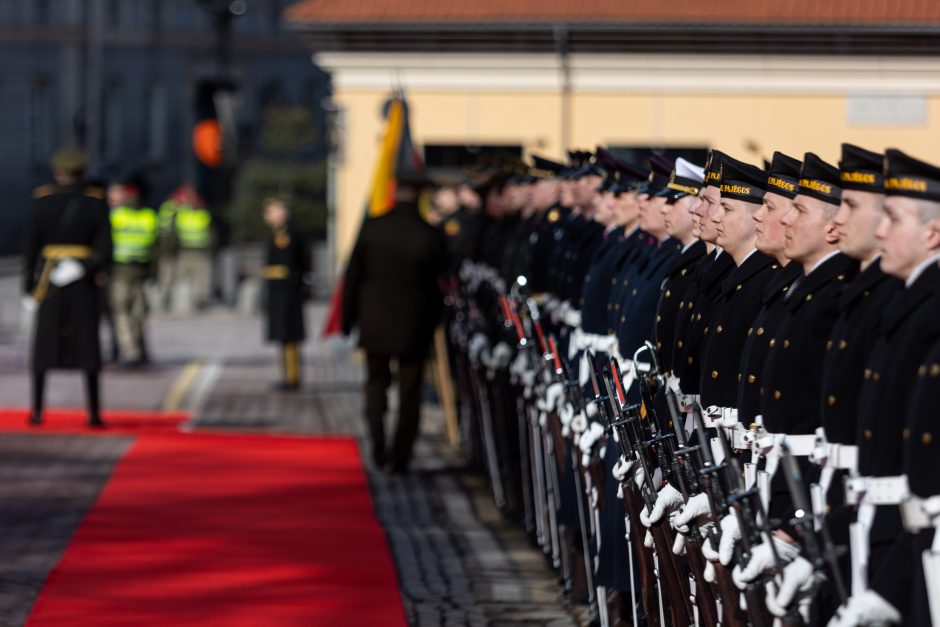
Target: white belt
(742,439)
(723,416)
(835,456)
(876,490)
(918,514)
(799,445)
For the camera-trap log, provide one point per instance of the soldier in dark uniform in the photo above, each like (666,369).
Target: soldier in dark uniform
(700,299)
(782,184)
(68,242)
(392,294)
(910,243)
(860,309)
(286,271)
(742,192)
(685,184)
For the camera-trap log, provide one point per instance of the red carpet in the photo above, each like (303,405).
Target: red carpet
(228,530)
(119,422)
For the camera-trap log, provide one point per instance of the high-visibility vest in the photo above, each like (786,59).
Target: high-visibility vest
(192,227)
(133,233)
(166,215)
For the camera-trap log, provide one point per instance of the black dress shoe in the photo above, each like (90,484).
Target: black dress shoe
(96,422)
(35,418)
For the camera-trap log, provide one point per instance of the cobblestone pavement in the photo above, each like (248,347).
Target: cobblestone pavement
(459,562)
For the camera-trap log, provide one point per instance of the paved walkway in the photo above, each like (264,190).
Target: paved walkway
(458,562)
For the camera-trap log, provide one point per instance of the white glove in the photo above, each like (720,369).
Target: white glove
(679,542)
(648,540)
(565,415)
(579,423)
(622,468)
(867,608)
(667,501)
(66,271)
(476,346)
(500,356)
(800,582)
(29,304)
(762,559)
(698,510)
(518,367)
(709,573)
(708,552)
(730,535)
(587,441)
(553,394)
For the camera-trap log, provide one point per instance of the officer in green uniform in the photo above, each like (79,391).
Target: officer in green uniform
(286,271)
(134,230)
(68,241)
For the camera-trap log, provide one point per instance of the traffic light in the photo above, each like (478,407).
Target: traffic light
(214,140)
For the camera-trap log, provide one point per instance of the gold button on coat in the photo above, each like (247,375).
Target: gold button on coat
(777,395)
(831,400)
(714,374)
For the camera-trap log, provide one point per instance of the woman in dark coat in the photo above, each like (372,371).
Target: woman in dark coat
(286,268)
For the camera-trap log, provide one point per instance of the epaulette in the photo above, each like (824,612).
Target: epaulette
(95,191)
(43,190)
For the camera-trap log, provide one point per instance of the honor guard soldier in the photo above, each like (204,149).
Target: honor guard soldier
(910,243)
(742,189)
(783,182)
(685,184)
(286,273)
(68,242)
(134,231)
(392,294)
(700,299)
(545,199)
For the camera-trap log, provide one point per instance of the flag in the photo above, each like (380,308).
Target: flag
(397,154)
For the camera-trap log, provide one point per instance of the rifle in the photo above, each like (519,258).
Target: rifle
(683,463)
(628,427)
(577,400)
(805,522)
(638,555)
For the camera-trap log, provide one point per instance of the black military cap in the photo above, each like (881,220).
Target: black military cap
(686,179)
(862,169)
(660,171)
(741,181)
(783,176)
(820,180)
(907,176)
(545,168)
(713,167)
(579,158)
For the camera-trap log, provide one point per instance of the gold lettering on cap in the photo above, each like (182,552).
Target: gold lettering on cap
(735,189)
(818,186)
(866,178)
(906,183)
(773,180)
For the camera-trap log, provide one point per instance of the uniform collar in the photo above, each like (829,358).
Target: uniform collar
(919,270)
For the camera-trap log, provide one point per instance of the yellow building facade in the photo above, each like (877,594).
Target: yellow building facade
(747,105)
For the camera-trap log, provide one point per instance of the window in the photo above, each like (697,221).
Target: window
(156,122)
(112,122)
(156,15)
(41,11)
(41,122)
(113,13)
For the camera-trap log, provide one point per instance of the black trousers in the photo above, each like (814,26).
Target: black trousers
(410,371)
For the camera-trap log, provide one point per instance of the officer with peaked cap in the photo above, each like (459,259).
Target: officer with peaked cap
(545,199)
(910,243)
(742,191)
(68,242)
(683,190)
(783,182)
